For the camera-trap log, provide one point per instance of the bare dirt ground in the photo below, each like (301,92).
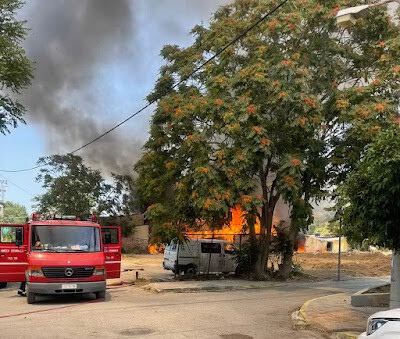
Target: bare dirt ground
(317,266)
(148,266)
(353,264)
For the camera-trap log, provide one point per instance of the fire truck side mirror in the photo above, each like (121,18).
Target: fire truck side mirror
(19,236)
(107,238)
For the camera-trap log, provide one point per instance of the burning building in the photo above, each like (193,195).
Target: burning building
(317,243)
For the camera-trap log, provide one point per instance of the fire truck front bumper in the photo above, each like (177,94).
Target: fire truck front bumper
(66,288)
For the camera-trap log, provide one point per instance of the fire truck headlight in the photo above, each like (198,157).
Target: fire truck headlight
(99,270)
(35,271)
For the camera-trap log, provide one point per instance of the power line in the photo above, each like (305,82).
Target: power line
(22,170)
(184,79)
(13,183)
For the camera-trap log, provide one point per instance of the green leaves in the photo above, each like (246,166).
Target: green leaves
(286,111)
(11,113)
(14,213)
(15,68)
(371,194)
(72,188)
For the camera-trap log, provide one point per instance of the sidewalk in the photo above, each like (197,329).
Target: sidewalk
(334,314)
(208,285)
(140,268)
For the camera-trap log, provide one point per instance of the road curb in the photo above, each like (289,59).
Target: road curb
(208,288)
(364,299)
(300,320)
(346,335)
(120,283)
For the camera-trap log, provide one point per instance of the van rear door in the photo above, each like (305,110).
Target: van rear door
(111,236)
(229,261)
(13,256)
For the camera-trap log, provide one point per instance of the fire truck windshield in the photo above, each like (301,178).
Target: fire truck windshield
(65,239)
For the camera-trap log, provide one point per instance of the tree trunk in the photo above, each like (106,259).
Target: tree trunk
(251,220)
(259,270)
(395,281)
(286,267)
(264,241)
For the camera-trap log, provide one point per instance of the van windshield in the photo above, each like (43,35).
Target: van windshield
(172,246)
(65,239)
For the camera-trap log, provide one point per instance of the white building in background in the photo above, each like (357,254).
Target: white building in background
(316,243)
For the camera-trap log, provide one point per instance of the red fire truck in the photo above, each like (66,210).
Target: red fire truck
(60,256)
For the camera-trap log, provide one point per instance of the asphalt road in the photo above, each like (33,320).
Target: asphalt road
(132,312)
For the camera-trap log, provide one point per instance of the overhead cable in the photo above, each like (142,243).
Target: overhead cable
(184,79)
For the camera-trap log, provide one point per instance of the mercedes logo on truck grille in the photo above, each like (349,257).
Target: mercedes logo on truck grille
(69,272)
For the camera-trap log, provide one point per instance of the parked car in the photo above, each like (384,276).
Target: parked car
(384,325)
(200,256)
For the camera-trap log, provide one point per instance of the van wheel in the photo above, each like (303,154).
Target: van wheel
(30,297)
(3,284)
(190,271)
(101,294)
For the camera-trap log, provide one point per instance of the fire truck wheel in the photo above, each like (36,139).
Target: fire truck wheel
(101,294)
(3,284)
(30,297)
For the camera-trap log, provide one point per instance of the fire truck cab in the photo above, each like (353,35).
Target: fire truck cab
(60,256)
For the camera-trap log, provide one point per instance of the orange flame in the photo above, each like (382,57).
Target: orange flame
(156,249)
(228,232)
(236,227)
(301,250)
(301,246)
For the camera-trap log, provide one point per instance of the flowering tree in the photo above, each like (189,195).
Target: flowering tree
(277,116)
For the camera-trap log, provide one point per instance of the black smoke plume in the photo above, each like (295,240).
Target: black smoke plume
(72,41)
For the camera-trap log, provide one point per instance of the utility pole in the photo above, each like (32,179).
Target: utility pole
(3,185)
(340,248)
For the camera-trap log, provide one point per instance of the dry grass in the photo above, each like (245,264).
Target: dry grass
(325,265)
(318,265)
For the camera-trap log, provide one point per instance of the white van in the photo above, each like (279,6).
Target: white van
(200,256)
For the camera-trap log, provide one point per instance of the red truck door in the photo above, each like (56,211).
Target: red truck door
(13,256)
(111,236)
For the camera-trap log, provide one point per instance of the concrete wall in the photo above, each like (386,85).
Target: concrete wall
(314,244)
(317,244)
(345,246)
(364,299)
(138,241)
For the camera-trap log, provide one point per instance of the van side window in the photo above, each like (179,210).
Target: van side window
(8,234)
(207,247)
(229,249)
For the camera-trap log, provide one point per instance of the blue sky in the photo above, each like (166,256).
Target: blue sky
(20,149)
(101,93)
